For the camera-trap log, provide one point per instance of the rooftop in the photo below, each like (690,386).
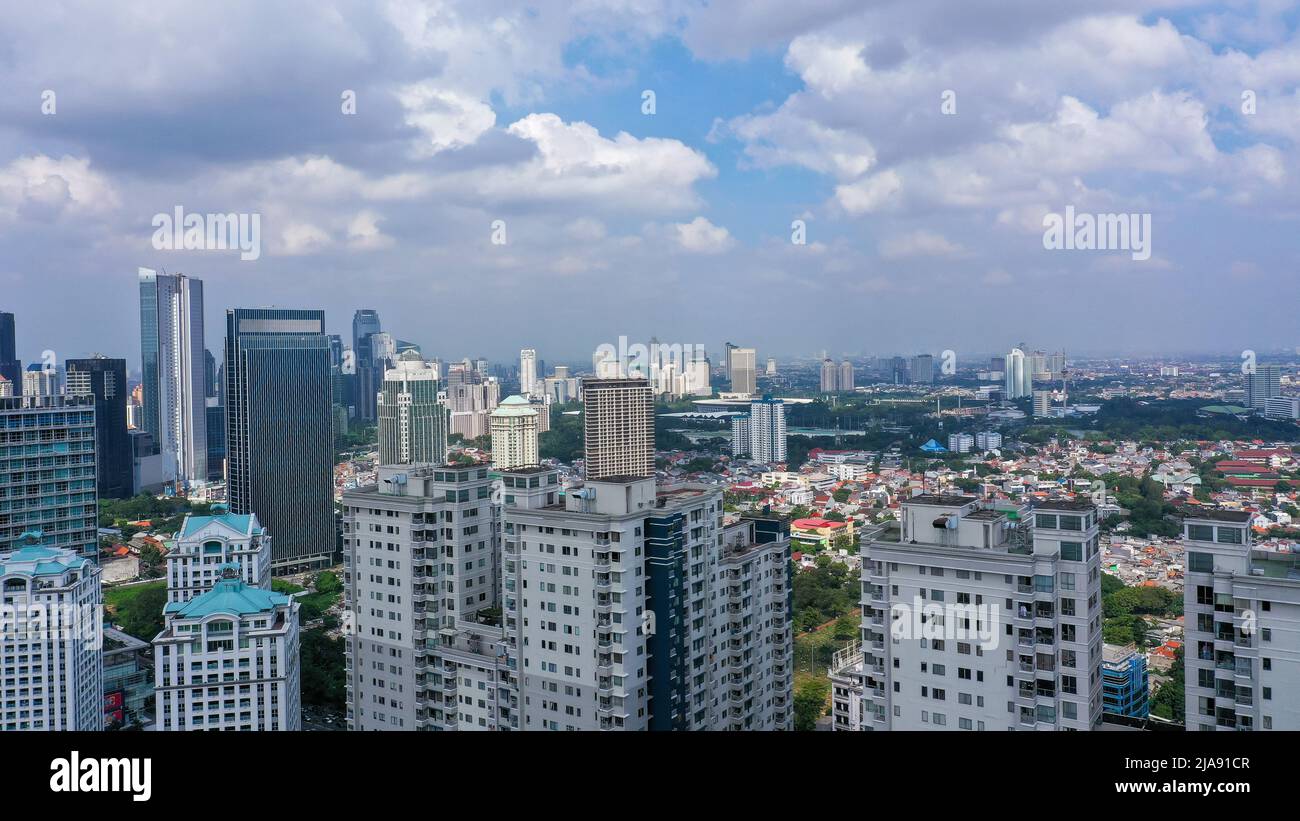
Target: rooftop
(938,500)
(1064,504)
(1220,515)
(231,596)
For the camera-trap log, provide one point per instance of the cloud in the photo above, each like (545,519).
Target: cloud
(42,186)
(445,118)
(699,236)
(920,244)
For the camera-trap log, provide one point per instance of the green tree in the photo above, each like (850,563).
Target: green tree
(810,703)
(142,615)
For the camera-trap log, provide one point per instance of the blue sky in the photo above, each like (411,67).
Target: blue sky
(924,226)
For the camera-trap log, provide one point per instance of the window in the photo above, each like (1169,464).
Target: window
(1072,551)
(1200,533)
(1199,562)
(1045,520)
(1071,523)
(1229,535)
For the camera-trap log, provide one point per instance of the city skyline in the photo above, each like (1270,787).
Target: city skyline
(590,163)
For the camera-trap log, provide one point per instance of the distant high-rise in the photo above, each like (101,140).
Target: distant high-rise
(767,439)
(279,451)
(209,374)
(10,367)
(172,372)
(105,380)
(412,422)
(846,375)
(923,369)
(742,369)
(1042,403)
(828,374)
(514,434)
(528,372)
(1263,384)
(49,483)
(365,323)
(1015,374)
(618,419)
(771,366)
(39,380)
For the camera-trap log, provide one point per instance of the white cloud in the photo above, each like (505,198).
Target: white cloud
(920,244)
(37,183)
(446,118)
(870,194)
(699,236)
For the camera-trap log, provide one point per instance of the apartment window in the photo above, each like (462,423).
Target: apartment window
(1045,520)
(1071,523)
(1200,533)
(1072,551)
(1199,562)
(1230,535)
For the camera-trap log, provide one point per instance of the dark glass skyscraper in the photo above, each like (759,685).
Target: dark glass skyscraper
(367,382)
(279,451)
(105,380)
(10,367)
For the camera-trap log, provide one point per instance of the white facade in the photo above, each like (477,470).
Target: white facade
(618,420)
(229,660)
(206,545)
(1241,609)
(1017,374)
(631,609)
(41,382)
(960,442)
(528,383)
(412,422)
(51,665)
(982,618)
(514,434)
(182,397)
(421,555)
(767,436)
(988,440)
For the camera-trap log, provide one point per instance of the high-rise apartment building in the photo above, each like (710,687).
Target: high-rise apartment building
(412,422)
(48,476)
(1241,605)
(51,667)
(514,434)
(471,397)
(422,562)
(208,546)
(40,380)
(279,445)
(846,376)
(631,609)
(767,437)
(619,427)
(978,616)
(228,659)
(104,379)
(1262,384)
(827,383)
(172,373)
(1042,403)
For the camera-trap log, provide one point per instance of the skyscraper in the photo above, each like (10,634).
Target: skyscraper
(172,372)
(828,376)
(618,422)
(39,380)
(1005,597)
(279,450)
(49,482)
(412,422)
(1263,384)
(1015,374)
(923,369)
(365,378)
(10,367)
(528,372)
(742,369)
(105,380)
(767,440)
(514,434)
(846,375)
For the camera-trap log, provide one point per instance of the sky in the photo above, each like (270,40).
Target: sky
(492,175)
